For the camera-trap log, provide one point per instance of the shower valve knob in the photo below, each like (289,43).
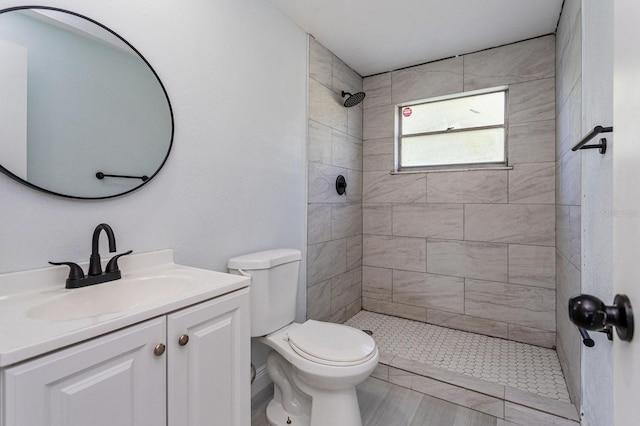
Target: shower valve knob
(590,313)
(341,185)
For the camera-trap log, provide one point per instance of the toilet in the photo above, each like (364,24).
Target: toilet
(315,366)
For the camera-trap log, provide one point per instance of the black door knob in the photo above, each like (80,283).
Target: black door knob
(589,312)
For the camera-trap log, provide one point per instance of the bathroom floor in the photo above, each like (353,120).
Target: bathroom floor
(528,368)
(386,404)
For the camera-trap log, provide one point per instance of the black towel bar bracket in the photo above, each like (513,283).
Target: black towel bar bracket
(101,175)
(602,146)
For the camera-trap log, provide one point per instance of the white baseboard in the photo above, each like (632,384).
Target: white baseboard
(261,382)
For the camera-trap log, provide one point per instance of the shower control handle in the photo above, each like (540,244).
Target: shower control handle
(341,185)
(590,313)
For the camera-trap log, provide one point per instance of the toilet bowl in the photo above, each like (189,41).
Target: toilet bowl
(315,366)
(316,371)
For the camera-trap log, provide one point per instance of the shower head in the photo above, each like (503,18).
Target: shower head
(354,99)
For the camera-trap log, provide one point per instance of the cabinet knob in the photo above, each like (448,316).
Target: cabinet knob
(183,340)
(159,349)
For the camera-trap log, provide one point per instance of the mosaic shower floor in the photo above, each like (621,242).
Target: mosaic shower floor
(529,368)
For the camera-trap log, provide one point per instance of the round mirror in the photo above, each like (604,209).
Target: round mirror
(83,114)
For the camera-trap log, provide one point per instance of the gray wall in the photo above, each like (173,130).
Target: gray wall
(568,182)
(469,250)
(334,234)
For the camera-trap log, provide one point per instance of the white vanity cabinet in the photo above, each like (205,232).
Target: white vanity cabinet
(209,363)
(186,368)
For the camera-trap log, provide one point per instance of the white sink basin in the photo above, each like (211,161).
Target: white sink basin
(114,296)
(38,315)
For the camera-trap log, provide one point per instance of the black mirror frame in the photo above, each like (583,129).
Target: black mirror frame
(164,90)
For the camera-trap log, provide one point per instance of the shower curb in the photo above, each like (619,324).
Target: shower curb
(505,402)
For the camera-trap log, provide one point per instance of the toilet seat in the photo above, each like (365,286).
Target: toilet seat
(331,344)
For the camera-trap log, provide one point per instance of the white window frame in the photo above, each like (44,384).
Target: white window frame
(443,167)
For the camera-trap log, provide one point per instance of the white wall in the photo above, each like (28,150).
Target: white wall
(235,182)
(626,228)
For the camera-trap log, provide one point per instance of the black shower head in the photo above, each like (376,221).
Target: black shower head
(354,99)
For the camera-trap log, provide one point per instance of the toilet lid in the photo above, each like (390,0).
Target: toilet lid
(333,343)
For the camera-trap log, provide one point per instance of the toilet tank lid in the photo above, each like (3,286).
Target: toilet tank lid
(264,259)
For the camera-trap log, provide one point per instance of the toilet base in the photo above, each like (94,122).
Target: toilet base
(276,416)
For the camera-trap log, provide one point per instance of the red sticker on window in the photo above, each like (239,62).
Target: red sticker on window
(406,111)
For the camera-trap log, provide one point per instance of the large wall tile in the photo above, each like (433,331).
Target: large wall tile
(467,323)
(322,184)
(376,219)
(320,63)
(533,142)
(377,283)
(346,151)
(319,301)
(468,259)
(325,107)
(569,65)
(532,336)
(427,81)
(354,121)
(532,307)
(395,309)
(344,78)
(404,253)
(570,277)
(487,186)
(346,220)
(569,179)
(514,63)
(387,188)
(569,121)
(378,155)
(429,291)
(378,122)
(378,90)
(532,101)
(428,220)
(326,260)
(319,143)
(533,183)
(354,185)
(568,346)
(510,223)
(354,252)
(318,223)
(345,289)
(532,265)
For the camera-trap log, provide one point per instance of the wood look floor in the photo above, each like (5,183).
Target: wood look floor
(386,404)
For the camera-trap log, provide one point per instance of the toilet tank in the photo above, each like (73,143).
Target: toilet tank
(274,287)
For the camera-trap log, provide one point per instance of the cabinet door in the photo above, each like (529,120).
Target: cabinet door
(209,376)
(111,380)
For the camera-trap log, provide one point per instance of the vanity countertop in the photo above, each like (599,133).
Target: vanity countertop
(38,315)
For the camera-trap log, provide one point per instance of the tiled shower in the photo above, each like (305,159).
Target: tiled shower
(467,250)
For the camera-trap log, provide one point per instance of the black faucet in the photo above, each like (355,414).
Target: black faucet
(94,261)
(95,275)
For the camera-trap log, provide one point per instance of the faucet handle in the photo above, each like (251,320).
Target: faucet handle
(75,271)
(112,266)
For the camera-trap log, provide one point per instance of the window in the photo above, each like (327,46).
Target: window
(466,130)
